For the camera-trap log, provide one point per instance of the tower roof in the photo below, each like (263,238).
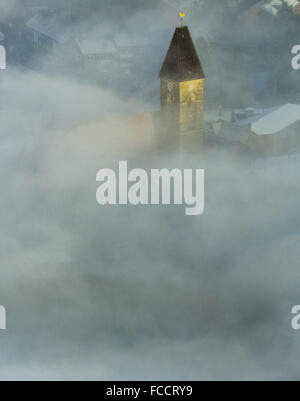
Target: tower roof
(182,62)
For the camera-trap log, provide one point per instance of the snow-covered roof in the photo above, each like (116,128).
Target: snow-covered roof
(48,26)
(273,6)
(94,46)
(292,3)
(251,117)
(279,119)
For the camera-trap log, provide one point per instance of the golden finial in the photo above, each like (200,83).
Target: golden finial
(181,15)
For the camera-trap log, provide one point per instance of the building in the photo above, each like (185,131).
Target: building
(277,131)
(297,8)
(265,132)
(182,92)
(131,49)
(229,132)
(44,31)
(100,59)
(266,10)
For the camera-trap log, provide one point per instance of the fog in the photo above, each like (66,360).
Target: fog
(99,293)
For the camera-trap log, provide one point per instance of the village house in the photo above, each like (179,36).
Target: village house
(266,132)
(264,11)
(131,48)
(99,58)
(44,31)
(277,132)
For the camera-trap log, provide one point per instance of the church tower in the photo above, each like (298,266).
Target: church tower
(182,92)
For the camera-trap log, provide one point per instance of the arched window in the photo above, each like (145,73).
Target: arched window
(191,99)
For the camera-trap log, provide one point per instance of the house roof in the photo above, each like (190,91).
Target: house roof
(47,25)
(255,115)
(94,46)
(281,118)
(272,7)
(292,3)
(182,62)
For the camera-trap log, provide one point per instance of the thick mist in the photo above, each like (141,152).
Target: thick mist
(137,292)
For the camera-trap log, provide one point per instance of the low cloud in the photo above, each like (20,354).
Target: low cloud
(137,292)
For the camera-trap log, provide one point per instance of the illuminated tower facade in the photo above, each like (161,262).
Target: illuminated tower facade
(182,92)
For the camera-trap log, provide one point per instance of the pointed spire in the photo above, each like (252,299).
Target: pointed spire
(182,62)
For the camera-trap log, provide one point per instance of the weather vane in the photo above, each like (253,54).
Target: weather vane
(181,15)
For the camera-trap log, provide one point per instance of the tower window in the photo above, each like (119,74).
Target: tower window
(191,99)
